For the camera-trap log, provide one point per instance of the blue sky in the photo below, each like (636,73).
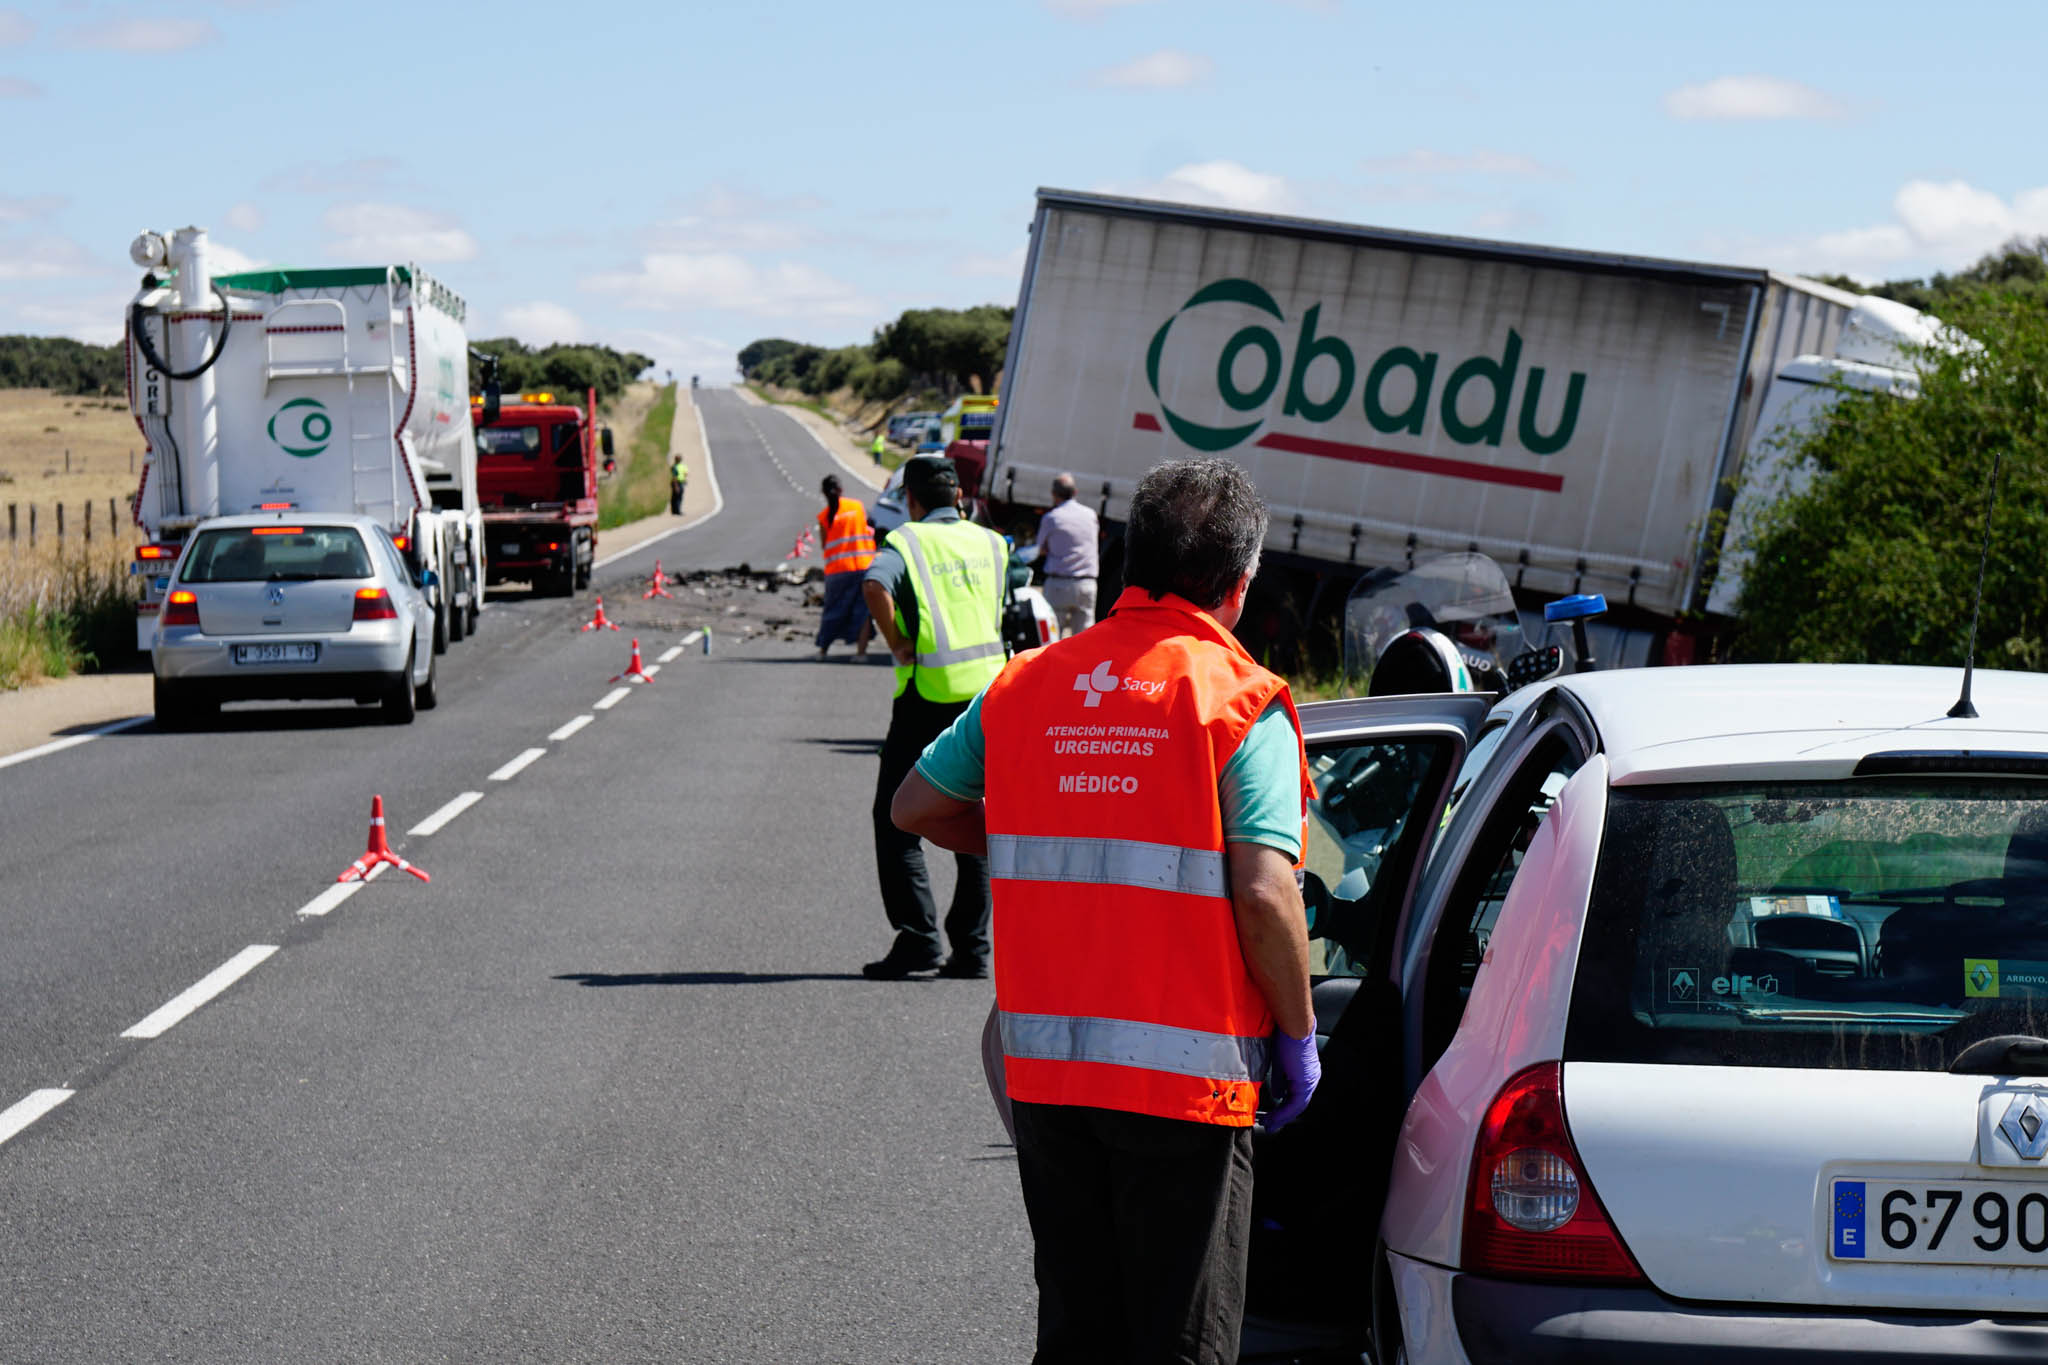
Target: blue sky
(683,178)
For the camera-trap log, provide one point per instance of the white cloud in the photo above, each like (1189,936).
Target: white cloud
(1936,225)
(1089,11)
(144,35)
(394,232)
(736,218)
(729,282)
(45,258)
(1167,69)
(95,318)
(362,175)
(15,27)
(541,323)
(1424,162)
(1750,97)
(244,217)
(716,361)
(15,88)
(1218,184)
(1007,266)
(21,210)
(222,259)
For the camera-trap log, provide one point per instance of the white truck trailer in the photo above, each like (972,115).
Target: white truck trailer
(1580,417)
(334,390)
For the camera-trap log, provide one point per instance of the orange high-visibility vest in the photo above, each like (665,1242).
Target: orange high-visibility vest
(849,544)
(1119,980)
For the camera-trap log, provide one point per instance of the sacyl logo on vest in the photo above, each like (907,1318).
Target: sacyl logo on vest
(1093,685)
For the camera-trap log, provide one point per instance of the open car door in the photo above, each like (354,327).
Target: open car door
(1384,769)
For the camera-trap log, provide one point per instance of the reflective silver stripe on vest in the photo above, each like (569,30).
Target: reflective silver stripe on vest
(865,542)
(943,656)
(1108,862)
(1120,1042)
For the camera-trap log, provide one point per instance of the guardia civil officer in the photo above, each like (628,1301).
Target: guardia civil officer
(935,591)
(1140,789)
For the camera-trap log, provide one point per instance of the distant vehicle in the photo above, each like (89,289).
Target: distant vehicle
(964,431)
(537,470)
(1592,421)
(908,428)
(276,605)
(317,392)
(888,510)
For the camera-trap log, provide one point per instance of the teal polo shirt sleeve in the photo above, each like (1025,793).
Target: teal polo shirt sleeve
(1259,788)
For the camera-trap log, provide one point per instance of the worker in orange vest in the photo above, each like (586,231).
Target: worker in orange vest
(1140,790)
(849,547)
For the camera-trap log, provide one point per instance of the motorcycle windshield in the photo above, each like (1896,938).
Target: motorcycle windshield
(1464,597)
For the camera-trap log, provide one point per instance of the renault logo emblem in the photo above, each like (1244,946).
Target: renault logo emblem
(2025,1126)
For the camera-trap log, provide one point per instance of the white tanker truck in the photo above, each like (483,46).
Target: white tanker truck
(334,390)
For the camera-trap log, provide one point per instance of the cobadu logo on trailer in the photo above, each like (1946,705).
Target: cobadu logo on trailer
(1397,393)
(302,427)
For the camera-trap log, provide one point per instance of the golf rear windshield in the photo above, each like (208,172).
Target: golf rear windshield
(254,554)
(1873,924)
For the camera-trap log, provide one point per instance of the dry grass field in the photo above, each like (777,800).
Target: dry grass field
(36,429)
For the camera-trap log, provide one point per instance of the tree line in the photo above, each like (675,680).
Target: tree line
(61,365)
(944,351)
(569,369)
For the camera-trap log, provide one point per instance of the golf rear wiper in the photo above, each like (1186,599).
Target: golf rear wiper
(2009,1054)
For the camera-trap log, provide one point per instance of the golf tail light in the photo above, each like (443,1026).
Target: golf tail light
(1530,1212)
(181,608)
(374,604)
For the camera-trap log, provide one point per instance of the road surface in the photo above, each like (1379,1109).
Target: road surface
(609,1088)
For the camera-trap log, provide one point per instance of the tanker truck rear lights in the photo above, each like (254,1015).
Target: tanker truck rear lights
(275,506)
(156,552)
(374,604)
(404,544)
(181,608)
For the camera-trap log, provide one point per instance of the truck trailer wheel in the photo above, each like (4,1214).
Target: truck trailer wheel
(441,620)
(458,613)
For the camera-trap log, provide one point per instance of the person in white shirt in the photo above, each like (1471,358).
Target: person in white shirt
(1068,537)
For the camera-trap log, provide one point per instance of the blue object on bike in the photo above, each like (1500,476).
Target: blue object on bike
(1577,607)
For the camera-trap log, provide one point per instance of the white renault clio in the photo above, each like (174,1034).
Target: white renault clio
(1672,1015)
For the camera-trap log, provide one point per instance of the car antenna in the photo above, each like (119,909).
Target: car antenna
(1963,709)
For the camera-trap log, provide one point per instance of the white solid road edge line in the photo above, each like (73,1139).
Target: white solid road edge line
(28,1109)
(73,741)
(613,698)
(434,823)
(717,500)
(571,728)
(517,765)
(202,990)
(330,898)
(668,656)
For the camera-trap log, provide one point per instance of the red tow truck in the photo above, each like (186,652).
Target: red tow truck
(536,470)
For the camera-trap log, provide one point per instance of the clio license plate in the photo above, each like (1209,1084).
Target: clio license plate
(1940,1222)
(276,654)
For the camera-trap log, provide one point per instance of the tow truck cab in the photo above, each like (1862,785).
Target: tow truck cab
(537,470)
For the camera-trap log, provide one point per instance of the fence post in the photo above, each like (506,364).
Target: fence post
(31,526)
(113,523)
(88,521)
(60,523)
(67,465)
(11,524)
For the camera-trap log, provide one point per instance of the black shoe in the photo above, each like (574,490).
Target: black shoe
(964,969)
(896,968)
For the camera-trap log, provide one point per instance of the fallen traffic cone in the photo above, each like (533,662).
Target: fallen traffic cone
(633,669)
(378,851)
(655,588)
(599,621)
(801,548)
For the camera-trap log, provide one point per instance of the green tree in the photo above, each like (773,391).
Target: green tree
(1874,560)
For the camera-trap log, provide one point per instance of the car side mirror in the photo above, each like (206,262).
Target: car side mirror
(429,579)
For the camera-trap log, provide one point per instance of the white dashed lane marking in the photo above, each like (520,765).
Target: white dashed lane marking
(201,991)
(434,823)
(330,898)
(613,698)
(668,655)
(517,765)
(28,1109)
(571,728)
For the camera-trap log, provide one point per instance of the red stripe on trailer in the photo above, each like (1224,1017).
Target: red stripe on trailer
(1144,421)
(211,317)
(1414,464)
(291,331)
(412,393)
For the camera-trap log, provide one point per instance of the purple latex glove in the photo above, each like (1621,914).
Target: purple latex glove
(1300,1071)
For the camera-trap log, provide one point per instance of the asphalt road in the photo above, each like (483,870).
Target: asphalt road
(609,1088)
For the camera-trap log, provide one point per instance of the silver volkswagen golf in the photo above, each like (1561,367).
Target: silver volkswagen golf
(269,606)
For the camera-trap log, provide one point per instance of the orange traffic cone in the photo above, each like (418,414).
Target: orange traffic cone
(655,588)
(379,851)
(599,621)
(633,669)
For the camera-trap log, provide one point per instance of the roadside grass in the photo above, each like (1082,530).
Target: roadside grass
(65,612)
(1326,686)
(641,489)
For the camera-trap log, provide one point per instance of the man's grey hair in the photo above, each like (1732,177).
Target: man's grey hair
(1194,529)
(1063,487)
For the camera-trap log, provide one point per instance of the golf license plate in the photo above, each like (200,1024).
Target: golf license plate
(1940,1222)
(276,654)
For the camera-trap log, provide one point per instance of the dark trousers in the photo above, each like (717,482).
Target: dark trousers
(1141,1227)
(675,498)
(899,858)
